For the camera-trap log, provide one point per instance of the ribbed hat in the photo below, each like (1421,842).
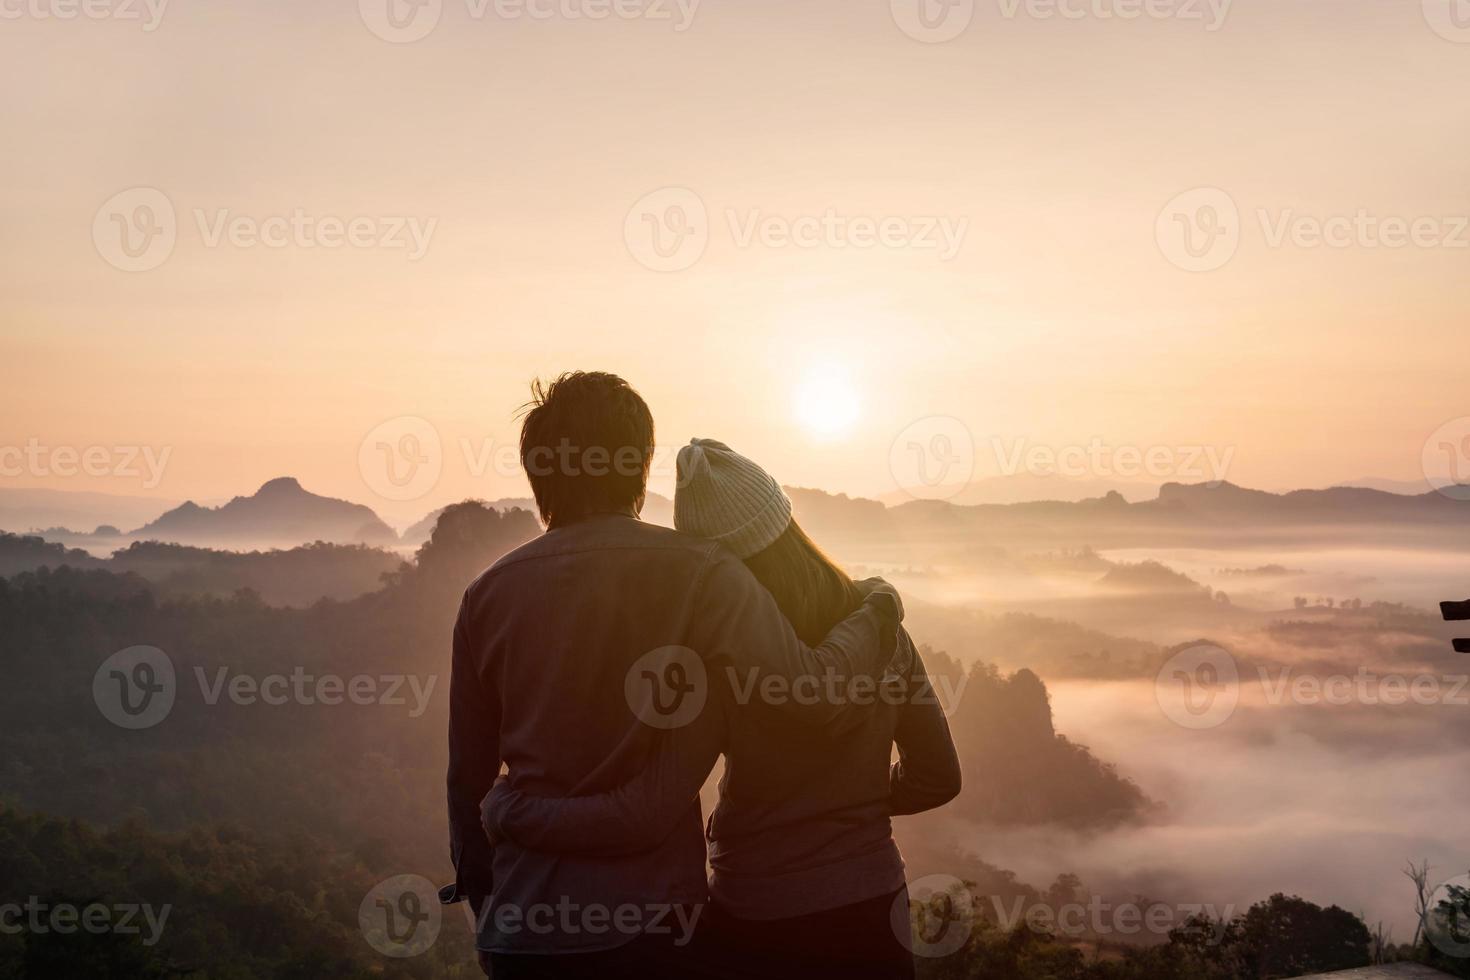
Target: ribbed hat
(725,497)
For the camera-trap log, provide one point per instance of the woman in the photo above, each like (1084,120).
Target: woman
(805,875)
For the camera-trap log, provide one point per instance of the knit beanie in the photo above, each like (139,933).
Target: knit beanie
(725,497)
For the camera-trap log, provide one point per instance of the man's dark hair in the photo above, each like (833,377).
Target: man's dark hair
(586,445)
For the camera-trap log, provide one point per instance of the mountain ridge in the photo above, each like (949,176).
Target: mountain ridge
(281,510)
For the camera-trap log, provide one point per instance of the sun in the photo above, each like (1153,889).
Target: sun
(826,402)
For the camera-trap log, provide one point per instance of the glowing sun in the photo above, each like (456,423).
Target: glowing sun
(826,402)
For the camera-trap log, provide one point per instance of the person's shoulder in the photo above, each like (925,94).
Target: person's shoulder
(626,534)
(644,534)
(724,574)
(610,535)
(534,548)
(708,561)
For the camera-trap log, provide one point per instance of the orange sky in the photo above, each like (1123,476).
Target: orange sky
(828,150)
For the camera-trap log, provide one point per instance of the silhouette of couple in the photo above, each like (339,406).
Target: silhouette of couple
(608,664)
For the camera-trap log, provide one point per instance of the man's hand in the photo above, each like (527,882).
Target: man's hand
(877,590)
(491,831)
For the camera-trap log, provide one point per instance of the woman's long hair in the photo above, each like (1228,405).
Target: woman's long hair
(813,593)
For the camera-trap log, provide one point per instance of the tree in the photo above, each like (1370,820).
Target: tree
(1419,875)
(1289,936)
(468,537)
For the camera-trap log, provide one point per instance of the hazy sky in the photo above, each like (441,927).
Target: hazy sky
(830,147)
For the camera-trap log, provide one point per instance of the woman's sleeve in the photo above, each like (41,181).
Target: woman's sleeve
(927,773)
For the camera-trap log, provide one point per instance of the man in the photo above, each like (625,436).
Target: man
(575,657)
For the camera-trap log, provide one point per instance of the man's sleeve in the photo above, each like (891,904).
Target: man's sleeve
(737,625)
(635,816)
(474,762)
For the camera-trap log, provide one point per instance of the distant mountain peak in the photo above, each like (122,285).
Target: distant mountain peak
(281,484)
(282,510)
(1222,487)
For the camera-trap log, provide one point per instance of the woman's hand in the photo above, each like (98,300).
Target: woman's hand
(871,587)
